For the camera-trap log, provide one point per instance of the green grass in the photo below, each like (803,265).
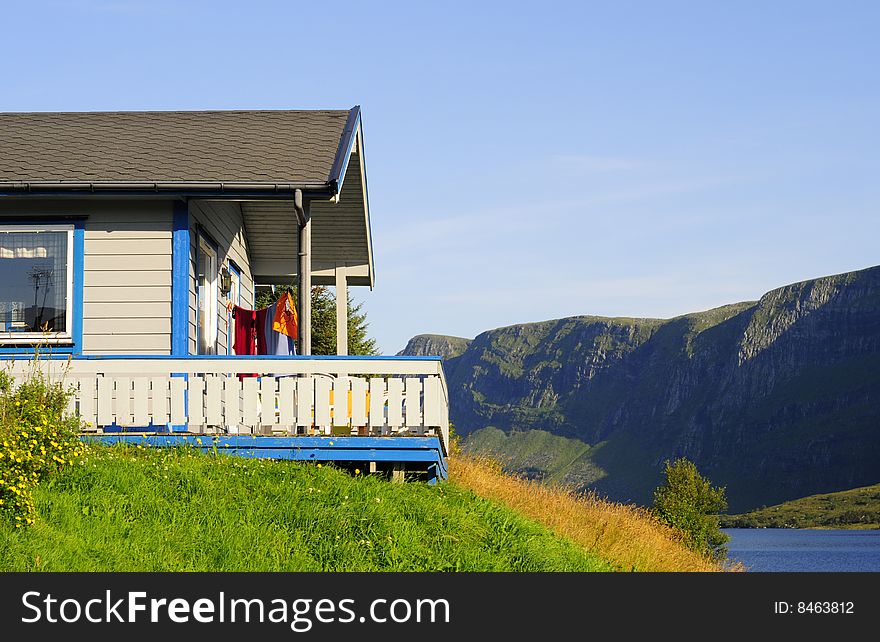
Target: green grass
(130,509)
(855,508)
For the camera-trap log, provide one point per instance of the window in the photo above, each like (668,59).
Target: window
(206,282)
(36,283)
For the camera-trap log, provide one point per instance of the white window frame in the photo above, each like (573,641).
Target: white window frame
(210,298)
(235,298)
(29,338)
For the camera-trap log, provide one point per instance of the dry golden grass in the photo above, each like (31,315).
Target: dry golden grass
(624,535)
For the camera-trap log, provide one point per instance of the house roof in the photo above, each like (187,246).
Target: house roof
(128,150)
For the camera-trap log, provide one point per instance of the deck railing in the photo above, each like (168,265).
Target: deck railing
(261,395)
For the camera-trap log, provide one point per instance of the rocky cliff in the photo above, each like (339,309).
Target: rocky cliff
(435,345)
(776,399)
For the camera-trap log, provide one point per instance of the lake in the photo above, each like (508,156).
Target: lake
(784,549)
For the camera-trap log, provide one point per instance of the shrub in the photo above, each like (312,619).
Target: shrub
(688,502)
(38,438)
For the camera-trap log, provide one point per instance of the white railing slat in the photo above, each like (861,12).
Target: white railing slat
(232,401)
(413,404)
(122,407)
(395,404)
(287,401)
(322,403)
(178,401)
(359,401)
(251,409)
(159,401)
(305,397)
(341,386)
(377,403)
(432,402)
(267,400)
(195,400)
(86,397)
(213,408)
(141,402)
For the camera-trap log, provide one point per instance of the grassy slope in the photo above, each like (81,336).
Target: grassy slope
(537,454)
(623,533)
(136,510)
(856,508)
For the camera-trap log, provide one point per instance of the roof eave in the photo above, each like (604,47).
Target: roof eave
(343,153)
(171,188)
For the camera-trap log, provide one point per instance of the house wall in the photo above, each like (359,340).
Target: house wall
(127,270)
(223,224)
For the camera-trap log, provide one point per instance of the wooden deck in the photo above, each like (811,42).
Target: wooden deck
(359,409)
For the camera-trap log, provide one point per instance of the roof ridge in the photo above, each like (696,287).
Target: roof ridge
(179,111)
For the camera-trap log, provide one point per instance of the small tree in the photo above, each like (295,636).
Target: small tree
(324,322)
(688,502)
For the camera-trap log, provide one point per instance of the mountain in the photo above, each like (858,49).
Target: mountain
(775,399)
(858,508)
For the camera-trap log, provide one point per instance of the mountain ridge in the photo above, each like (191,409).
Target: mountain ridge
(776,398)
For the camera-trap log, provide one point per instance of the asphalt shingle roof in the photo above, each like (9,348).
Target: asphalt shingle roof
(175,146)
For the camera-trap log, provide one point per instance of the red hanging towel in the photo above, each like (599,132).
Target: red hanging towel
(245,334)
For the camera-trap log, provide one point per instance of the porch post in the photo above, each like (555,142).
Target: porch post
(305,276)
(180,279)
(341,310)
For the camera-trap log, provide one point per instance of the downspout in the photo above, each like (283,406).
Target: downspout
(304,219)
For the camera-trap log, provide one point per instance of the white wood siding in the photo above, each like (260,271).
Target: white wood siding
(223,224)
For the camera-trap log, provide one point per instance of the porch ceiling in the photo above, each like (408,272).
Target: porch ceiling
(340,234)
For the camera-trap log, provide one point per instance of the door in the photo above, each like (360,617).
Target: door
(207,295)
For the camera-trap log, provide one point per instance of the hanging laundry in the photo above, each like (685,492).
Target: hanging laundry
(245,341)
(286,320)
(261,330)
(276,342)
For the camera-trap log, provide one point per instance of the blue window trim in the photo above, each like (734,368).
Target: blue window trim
(180,278)
(75,347)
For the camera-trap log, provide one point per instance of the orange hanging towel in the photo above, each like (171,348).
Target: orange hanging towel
(286,320)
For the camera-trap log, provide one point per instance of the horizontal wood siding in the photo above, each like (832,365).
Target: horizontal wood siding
(223,224)
(127,293)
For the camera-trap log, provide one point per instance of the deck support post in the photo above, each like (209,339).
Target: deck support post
(397,472)
(341,310)
(304,216)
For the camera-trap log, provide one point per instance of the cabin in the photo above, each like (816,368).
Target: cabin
(126,240)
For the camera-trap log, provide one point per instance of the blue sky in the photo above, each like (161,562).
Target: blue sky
(533,161)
